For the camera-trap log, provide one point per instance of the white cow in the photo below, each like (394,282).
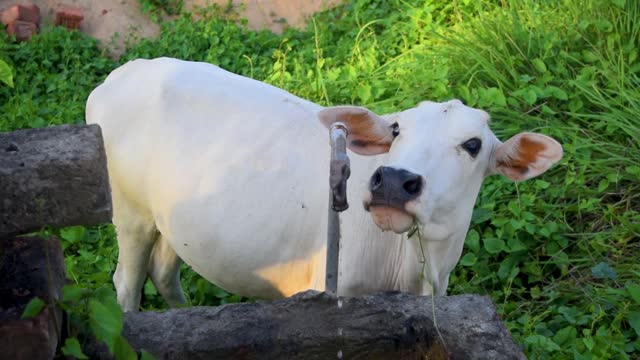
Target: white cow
(230,175)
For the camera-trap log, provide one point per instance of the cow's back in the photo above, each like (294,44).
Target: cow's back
(227,168)
(150,105)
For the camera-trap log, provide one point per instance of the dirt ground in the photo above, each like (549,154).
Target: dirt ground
(114,21)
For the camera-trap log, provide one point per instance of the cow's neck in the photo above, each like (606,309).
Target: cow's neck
(372,260)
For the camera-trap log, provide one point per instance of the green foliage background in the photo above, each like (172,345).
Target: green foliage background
(559,255)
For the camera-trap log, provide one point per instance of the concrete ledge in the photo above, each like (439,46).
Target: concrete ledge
(313,325)
(54,176)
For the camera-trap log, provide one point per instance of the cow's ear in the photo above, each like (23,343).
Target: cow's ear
(526,155)
(368,133)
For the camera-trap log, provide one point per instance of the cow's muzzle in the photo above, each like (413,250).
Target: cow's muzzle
(390,191)
(394,188)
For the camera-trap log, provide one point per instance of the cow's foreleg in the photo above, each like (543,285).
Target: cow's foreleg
(164,270)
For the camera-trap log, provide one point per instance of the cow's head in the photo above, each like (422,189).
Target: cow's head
(439,154)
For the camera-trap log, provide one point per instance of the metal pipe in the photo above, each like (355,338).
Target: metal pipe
(339,172)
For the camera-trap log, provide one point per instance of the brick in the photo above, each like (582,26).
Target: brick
(69,16)
(22,30)
(29,13)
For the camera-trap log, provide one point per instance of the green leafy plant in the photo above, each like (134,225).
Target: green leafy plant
(158,8)
(558,254)
(6,75)
(33,308)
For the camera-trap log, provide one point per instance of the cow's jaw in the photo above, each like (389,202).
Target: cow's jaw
(389,218)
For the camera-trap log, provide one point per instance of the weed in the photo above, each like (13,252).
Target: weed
(158,9)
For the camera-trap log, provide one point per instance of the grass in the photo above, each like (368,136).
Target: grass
(559,255)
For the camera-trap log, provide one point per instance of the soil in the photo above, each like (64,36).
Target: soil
(114,22)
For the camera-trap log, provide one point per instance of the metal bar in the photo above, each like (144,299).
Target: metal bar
(339,172)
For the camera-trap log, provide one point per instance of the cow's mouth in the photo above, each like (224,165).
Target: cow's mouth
(392,194)
(391,218)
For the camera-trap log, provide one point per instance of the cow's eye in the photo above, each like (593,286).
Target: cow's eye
(472,146)
(395,129)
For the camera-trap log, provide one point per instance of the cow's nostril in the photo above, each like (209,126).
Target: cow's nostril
(376,180)
(413,186)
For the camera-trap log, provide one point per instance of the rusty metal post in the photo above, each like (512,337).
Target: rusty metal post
(339,172)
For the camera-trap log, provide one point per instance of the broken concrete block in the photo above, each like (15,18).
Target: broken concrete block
(22,30)
(30,266)
(29,13)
